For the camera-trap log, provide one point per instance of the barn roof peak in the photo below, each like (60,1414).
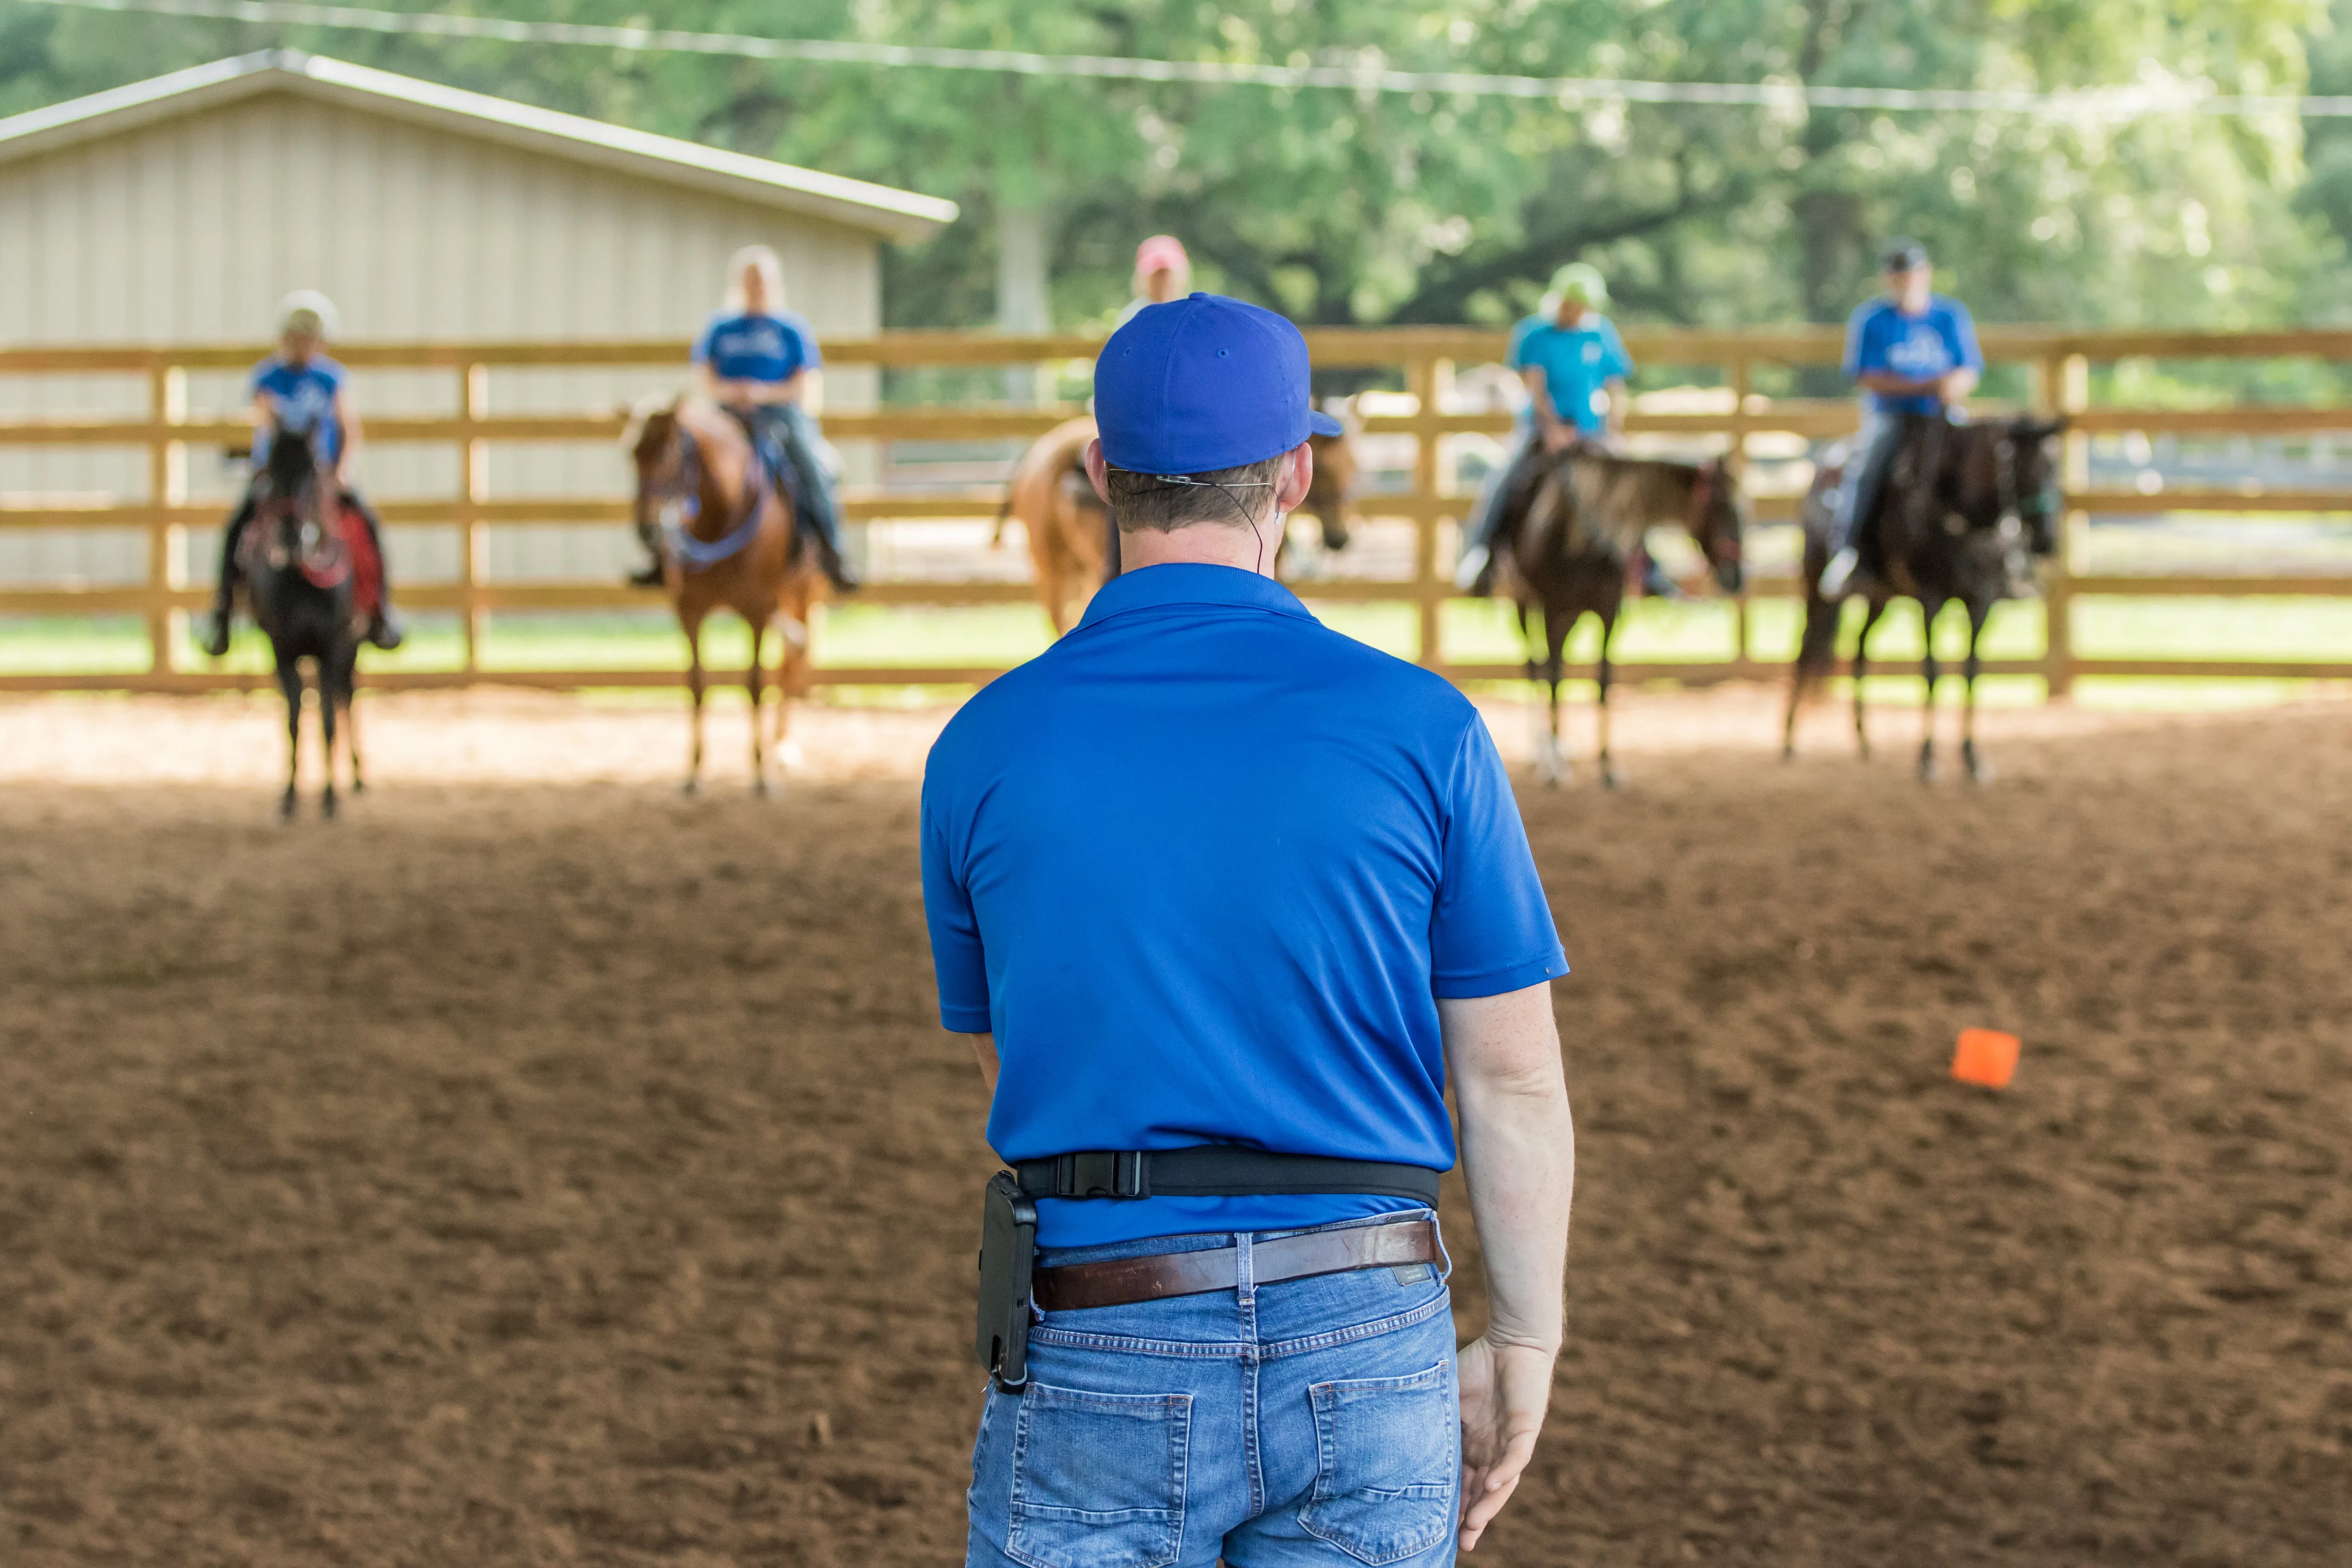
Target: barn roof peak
(894,214)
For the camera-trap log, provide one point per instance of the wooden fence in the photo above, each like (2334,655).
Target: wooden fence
(2058,364)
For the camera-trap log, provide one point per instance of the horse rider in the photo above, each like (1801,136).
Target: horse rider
(758,362)
(1218,1024)
(1162,273)
(1575,366)
(300,388)
(1914,354)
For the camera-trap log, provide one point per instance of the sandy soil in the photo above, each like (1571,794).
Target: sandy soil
(526,1170)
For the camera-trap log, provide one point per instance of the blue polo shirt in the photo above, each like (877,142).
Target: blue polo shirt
(1578,363)
(765,347)
(1938,341)
(305,397)
(1205,867)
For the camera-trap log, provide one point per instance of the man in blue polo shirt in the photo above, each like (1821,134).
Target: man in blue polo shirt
(1575,366)
(1914,352)
(1225,898)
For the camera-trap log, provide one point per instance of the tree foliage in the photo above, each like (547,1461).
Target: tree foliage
(1346,208)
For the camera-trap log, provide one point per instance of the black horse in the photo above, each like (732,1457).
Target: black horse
(1964,511)
(299,577)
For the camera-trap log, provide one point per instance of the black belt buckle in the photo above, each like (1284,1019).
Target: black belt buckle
(1008,1256)
(1101,1173)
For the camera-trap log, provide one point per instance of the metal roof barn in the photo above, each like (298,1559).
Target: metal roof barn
(181,210)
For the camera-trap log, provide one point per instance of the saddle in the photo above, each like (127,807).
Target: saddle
(346,551)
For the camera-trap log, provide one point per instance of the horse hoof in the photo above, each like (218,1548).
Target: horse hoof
(1608,776)
(692,787)
(759,786)
(1927,774)
(327,806)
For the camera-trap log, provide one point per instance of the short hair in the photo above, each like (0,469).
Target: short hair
(1229,496)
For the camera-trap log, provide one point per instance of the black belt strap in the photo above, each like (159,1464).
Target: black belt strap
(1217,1171)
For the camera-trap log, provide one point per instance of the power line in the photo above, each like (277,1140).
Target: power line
(1368,71)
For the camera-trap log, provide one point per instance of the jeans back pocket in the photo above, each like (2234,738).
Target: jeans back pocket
(1387,1464)
(1098,1478)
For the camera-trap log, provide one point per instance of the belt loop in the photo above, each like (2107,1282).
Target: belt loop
(1244,1269)
(1438,1231)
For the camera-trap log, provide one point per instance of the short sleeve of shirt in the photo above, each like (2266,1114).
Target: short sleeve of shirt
(701,354)
(1615,360)
(1514,357)
(957,957)
(804,336)
(1858,348)
(1491,931)
(1960,333)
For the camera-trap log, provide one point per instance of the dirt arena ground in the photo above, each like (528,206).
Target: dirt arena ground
(539,1167)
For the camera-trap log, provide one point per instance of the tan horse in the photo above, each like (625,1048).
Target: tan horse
(1069,528)
(728,542)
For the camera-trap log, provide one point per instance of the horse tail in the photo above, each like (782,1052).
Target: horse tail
(1004,511)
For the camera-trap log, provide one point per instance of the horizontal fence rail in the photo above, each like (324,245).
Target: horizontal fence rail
(1428,359)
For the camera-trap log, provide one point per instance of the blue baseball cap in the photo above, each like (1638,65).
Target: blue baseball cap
(1202,384)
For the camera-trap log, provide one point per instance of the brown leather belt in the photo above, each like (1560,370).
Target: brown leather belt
(1121,1281)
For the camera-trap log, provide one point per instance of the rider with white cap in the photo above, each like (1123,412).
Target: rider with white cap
(1575,366)
(300,388)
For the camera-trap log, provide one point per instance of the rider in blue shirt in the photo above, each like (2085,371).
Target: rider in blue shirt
(1915,356)
(300,388)
(757,361)
(1575,366)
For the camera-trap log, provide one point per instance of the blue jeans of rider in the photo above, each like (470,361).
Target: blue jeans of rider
(1311,1422)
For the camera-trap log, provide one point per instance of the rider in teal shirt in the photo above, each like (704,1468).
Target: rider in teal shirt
(1575,366)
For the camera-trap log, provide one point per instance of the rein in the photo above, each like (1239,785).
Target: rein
(700,554)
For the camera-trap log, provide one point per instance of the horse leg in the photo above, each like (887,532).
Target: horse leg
(1556,629)
(694,698)
(1861,664)
(1927,613)
(1980,771)
(792,670)
(289,681)
(753,678)
(351,738)
(329,699)
(1608,769)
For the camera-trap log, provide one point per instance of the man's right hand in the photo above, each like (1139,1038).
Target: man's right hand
(1505,1390)
(1559,436)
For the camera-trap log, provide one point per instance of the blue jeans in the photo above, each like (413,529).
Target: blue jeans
(1316,1421)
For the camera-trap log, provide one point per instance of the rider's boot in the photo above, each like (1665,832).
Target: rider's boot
(213,635)
(650,576)
(386,630)
(836,570)
(1839,572)
(1475,573)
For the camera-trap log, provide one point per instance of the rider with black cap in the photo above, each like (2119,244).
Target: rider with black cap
(1914,352)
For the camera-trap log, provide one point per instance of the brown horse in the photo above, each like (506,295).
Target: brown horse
(1964,511)
(1069,527)
(728,540)
(1570,552)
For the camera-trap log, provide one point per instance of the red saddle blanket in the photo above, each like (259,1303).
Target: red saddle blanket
(367,565)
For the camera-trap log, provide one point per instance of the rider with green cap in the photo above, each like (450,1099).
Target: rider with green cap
(1575,366)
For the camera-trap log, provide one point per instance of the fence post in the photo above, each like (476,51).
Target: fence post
(1422,377)
(2065,387)
(473,488)
(1734,460)
(167,490)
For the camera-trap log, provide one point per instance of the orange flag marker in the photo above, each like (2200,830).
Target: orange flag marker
(1986,1057)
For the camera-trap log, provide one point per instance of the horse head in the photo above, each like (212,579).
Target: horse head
(2028,479)
(1718,520)
(656,443)
(1335,474)
(292,491)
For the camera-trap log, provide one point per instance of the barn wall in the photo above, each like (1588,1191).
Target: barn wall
(192,229)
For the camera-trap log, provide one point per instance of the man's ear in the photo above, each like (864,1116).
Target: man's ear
(1296,477)
(1097,469)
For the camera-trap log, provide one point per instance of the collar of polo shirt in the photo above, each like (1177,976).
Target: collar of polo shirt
(1200,384)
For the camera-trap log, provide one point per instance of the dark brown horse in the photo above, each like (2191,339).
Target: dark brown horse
(1965,510)
(1568,554)
(1069,527)
(728,540)
(301,577)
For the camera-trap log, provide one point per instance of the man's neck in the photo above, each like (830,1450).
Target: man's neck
(1202,544)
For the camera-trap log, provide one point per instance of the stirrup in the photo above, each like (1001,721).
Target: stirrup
(1475,573)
